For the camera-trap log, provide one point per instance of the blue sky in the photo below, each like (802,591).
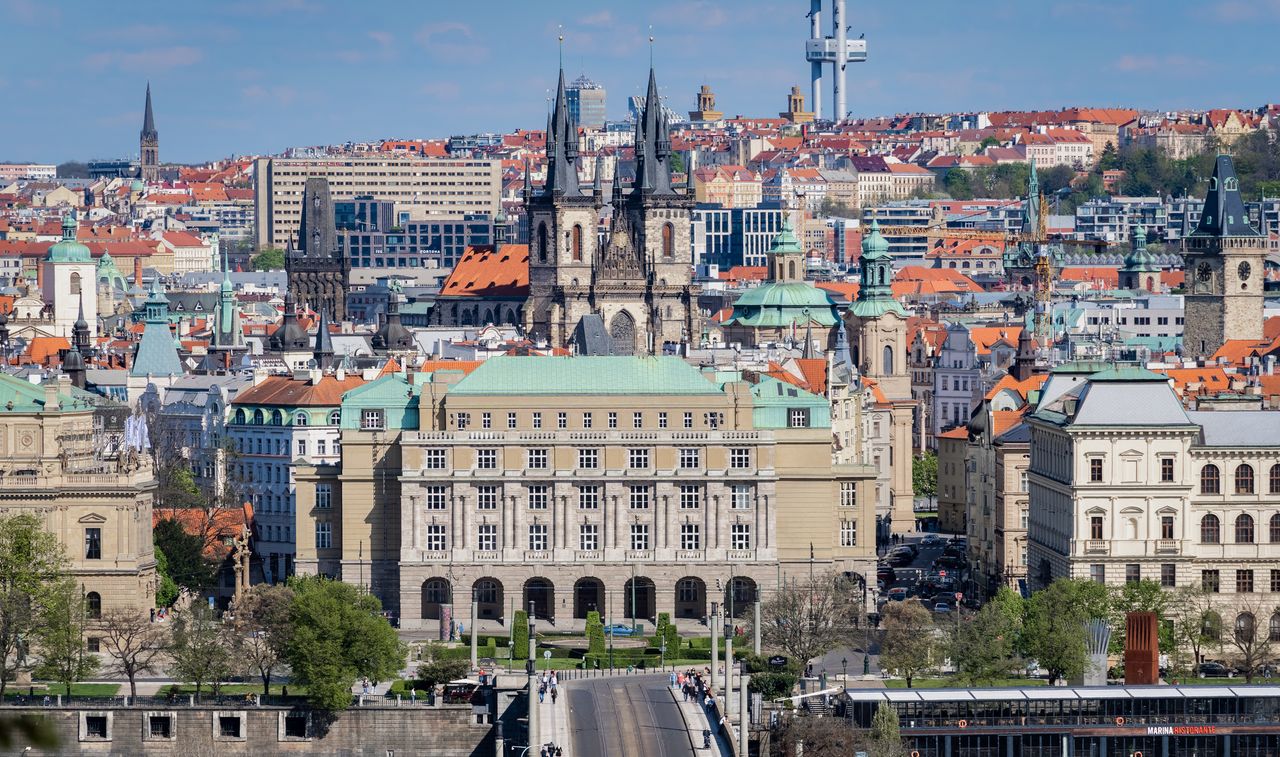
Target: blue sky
(244,76)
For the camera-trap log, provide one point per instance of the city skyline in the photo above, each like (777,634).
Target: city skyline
(249,78)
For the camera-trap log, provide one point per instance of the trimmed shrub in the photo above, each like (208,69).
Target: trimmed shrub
(772,685)
(520,634)
(595,633)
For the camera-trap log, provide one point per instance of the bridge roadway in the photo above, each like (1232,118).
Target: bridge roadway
(631,716)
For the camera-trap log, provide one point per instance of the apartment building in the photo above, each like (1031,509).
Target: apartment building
(429,189)
(627,486)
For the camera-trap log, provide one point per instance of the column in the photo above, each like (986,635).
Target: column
(716,522)
(758,531)
(465,538)
(455,518)
(609,505)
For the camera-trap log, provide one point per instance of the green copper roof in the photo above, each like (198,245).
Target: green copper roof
(785,243)
(69,250)
(157,353)
(510,375)
(773,400)
(874,245)
(875,291)
(1139,258)
(1127,373)
(393,395)
(20,396)
(779,305)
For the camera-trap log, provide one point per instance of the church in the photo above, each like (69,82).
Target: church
(635,283)
(317,270)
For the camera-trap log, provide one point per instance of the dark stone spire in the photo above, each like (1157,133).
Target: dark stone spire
(80,339)
(653,145)
(149,120)
(1224,214)
(597,183)
(1024,361)
(617,190)
(393,336)
(289,337)
(528,183)
(562,153)
(323,353)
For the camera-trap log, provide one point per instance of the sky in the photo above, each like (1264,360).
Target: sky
(236,77)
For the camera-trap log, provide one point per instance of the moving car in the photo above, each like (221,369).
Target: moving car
(932,540)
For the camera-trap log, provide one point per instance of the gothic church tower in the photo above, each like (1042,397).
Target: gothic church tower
(149,144)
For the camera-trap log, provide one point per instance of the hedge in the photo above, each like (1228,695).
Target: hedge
(520,634)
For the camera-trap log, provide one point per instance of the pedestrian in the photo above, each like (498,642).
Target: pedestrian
(284,690)
(554,694)
(673,679)
(542,692)
(413,695)
(46,700)
(554,679)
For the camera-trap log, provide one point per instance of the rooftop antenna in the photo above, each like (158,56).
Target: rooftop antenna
(650,45)
(561,27)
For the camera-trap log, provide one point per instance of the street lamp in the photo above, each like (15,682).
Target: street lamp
(511,651)
(662,650)
(844,668)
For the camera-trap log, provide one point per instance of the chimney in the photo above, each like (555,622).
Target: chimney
(137,271)
(1269,365)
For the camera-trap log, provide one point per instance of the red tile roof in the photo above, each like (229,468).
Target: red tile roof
(485,272)
(286,390)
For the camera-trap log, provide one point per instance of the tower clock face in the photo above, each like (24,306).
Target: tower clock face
(1204,272)
(1244,270)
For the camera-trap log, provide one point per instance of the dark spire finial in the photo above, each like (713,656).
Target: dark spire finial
(149,119)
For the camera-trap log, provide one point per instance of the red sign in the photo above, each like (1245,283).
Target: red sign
(942,573)
(959,596)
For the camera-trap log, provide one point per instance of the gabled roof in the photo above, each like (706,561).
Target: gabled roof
(584,375)
(485,272)
(287,391)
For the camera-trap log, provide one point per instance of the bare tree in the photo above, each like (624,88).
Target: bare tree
(134,644)
(909,644)
(809,617)
(262,622)
(1196,626)
(1251,645)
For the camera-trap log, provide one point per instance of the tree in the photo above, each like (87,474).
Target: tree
(677,162)
(886,738)
(1196,627)
(134,644)
(438,671)
(184,553)
(908,645)
(595,633)
(772,684)
(806,618)
(31,563)
(262,622)
(988,142)
(1054,625)
(270,259)
(924,475)
(1139,596)
(201,647)
(958,183)
(166,587)
(73,169)
(1110,159)
(339,635)
(1251,646)
(64,654)
(830,206)
(983,647)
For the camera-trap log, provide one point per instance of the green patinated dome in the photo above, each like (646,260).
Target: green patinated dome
(137,186)
(785,243)
(782,304)
(1139,258)
(874,244)
(69,250)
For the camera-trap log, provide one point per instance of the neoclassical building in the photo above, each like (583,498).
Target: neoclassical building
(629,486)
(1125,484)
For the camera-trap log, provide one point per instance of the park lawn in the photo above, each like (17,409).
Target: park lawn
(950,683)
(236,689)
(77,689)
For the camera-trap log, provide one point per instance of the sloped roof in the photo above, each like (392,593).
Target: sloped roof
(584,375)
(290,392)
(485,272)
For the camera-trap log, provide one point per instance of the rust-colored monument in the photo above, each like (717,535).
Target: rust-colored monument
(1141,649)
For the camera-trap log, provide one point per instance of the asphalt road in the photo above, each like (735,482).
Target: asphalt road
(626,717)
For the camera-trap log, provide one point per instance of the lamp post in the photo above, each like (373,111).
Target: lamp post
(634,613)
(511,651)
(844,669)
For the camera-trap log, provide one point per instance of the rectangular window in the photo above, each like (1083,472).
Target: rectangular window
(662,419)
(537,458)
(562,420)
(1275,580)
(324,535)
(613,420)
(637,420)
(324,496)
(1210,580)
(848,533)
(690,457)
(1098,573)
(1095,469)
(487,497)
(511,420)
(798,417)
(487,537)
(848,494)
(1166,527)
(371,420)
(539,496)
(436,538)
(690,496)
(690,536)
(302,446)
(93,544)
(1166,469)
(434,497)
(538,536)
(486,420)
(1095,527)
(740,457)
(712,420)
(1244,581)
(588,536)
(638,458)
(639,498)
(589,458)
(321,447)
(1132,573)
(586,420)
(487,458)
(589,497)
(1168,575)
(537,420)
(688,420)
(740,536)
(740,497)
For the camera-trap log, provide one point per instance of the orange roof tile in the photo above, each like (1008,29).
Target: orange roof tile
(466,366)
(42,348)
(1003,420)
(986,337)
(215,526)
(486,272)
(286,390)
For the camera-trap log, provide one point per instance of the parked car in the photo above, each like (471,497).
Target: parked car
(932,540)
(1213,670)
(942,607)
(886,573)
(898,593)
(618,629)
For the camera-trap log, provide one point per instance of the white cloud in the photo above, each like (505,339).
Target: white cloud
(451,41)
(147,61)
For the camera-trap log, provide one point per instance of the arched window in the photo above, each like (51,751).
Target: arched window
(1211,625)
(239,415)
(1244,479)
(335,418)
(1245,626)
(1244,529)
(257,417)
(575,243)
(300,419)
(542,242)
(1275,529)
(1210,530)
(668,241)
(791,270)
(1275,627)
(1210,482)
(888,360)
(75,283)
(93,605)
(1274,488)
(277,418)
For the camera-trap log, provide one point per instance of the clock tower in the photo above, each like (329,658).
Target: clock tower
(1224,260)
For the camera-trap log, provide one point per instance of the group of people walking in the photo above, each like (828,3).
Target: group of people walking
(550,684)
(693,685)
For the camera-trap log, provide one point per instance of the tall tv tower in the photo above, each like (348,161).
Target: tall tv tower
(837,50)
